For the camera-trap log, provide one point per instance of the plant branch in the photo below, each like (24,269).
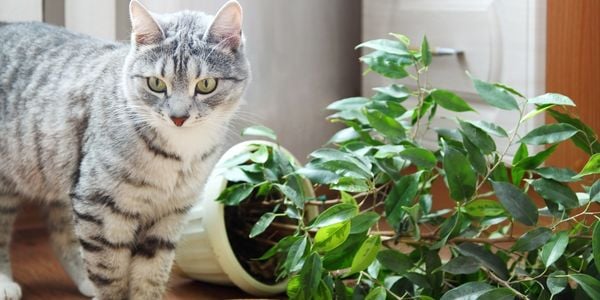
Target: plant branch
(501,157)
(506,285)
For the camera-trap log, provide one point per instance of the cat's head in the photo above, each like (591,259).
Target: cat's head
(186,69)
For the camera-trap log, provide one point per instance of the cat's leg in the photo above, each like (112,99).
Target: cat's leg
(106,234)
(59,216)
(153,258)
(8,212)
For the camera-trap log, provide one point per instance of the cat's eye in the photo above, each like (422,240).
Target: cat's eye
(157,85)
(206,86)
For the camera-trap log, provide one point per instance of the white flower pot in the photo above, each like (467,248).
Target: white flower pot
(204,251)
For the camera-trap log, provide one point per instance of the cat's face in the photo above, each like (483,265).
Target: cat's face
(186,69)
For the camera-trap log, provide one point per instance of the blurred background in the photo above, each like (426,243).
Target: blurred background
(303,58)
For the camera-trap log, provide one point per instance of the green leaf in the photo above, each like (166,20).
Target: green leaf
(310,275)
(550,98)
(349,184)
(595,191)
(475,157)
(365,254)
(235,194)
(596,245)
(259,130)
(555,248)
(591,167)
(363,222)
(386,64)
(347,198)
(295,255)
(467,291)
(478,137)
(335,214)
(461,177)
(282,246)
(586,139)
(420,157)
(341,257)
(557,282)
(425,53)
(549,134)
(354,103)
(535,161)
(509,89)
(450,101)
(517,203)
(386,151)
(558,174)
(389,46)
(395,91)
(294,288)
(532,240)
(497,294)
(556,192)
(342,162)
(517,172)
(402,38)
(318,175)
(462,265)
(395,261)
(323,292)
(484,208)
(490,128)
(500,173)
(485,257)
(329,237)
(291,194)
(261,155)
(535,112)
(344,135)
(588,283)
(262,224)
(495,96)
(386,125)
(377,293)
(402,194)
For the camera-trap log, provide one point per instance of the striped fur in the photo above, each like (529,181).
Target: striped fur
(83,134)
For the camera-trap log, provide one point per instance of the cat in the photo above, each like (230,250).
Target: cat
(115,140)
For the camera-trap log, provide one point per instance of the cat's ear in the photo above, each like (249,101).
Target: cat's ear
(226,27)
(144,28)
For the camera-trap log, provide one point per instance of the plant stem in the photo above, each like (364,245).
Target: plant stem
(506,284)
(419,100)
(501,157)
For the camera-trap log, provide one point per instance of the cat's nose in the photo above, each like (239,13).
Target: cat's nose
(179,120)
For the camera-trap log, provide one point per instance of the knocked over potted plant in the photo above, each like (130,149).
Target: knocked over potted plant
(217,244)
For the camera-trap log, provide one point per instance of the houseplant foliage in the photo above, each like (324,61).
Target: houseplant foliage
(378,236)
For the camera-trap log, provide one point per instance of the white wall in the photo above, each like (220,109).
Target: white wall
(97,18)
(22,10)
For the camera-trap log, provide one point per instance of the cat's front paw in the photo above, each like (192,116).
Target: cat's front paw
(9,290)
(87,288)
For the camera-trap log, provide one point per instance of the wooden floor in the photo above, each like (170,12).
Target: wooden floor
(41,276)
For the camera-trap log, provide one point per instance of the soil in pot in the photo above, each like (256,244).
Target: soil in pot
(239,221)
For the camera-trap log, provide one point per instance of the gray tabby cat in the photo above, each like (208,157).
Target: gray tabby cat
(115,139)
